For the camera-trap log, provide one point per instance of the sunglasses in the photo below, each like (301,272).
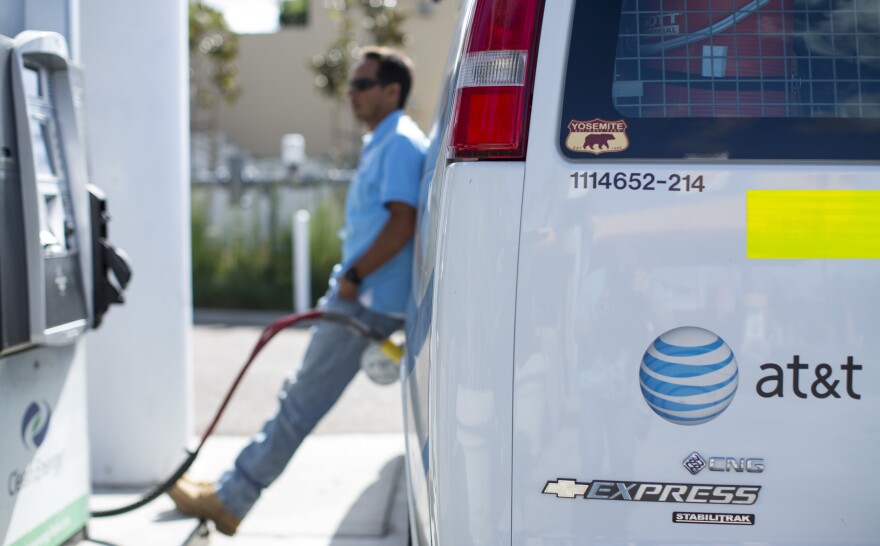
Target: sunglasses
(362,84)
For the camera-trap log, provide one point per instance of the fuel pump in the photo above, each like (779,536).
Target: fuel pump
(58,274)
(47,91)
(14,313)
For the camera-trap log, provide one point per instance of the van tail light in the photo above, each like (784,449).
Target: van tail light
(494,86)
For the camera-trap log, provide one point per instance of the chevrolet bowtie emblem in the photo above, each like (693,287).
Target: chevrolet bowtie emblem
(566,489)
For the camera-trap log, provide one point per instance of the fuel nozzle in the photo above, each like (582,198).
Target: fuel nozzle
(381,361)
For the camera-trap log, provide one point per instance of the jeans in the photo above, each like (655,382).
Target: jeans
(330,363)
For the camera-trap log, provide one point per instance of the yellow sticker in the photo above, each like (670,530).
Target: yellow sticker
(812,224)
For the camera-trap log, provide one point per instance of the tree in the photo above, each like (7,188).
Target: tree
(380,18)
(383,23)
(294,13)
(213,74)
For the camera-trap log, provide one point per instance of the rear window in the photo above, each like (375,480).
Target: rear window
(738,79)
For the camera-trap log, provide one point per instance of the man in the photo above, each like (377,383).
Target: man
(371,284)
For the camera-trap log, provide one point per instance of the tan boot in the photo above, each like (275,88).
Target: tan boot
(200,499)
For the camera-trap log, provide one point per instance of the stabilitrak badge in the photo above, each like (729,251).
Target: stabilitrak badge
(596,136)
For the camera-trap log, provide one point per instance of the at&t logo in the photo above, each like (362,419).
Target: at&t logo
(688,375)
(35,424)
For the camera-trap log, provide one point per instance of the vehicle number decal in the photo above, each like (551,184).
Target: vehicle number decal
(637,181)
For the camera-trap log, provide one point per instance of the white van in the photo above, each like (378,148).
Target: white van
(646,306)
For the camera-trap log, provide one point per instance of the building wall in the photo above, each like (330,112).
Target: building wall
(11,18)
(279,92)
(59,16)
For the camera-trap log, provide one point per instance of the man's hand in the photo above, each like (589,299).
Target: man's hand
(346,289)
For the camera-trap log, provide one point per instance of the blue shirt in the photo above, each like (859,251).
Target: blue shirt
(390,169)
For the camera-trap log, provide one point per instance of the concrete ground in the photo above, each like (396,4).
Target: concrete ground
(344,487)
(221,344)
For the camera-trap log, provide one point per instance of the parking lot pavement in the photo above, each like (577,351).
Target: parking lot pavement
(345,485)
(222,343)
(339,490)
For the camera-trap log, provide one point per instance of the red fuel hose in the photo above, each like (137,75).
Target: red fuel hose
(268,333)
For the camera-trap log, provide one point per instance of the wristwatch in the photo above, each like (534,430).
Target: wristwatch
(352,276)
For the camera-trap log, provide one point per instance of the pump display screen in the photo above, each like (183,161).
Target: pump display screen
(31,77)
(43,156)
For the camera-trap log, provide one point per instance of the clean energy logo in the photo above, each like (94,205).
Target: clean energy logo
(688,376)
(35,424)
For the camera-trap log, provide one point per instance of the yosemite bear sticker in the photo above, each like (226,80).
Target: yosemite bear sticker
(596,136)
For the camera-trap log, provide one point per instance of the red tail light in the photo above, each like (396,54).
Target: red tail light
(494,86)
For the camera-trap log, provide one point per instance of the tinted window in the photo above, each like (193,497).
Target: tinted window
(746,58)
(744,79)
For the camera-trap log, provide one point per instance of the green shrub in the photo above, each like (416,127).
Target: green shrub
(325,247)
(294,13)
(240,269)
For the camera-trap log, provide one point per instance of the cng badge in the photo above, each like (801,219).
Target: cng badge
(688,375)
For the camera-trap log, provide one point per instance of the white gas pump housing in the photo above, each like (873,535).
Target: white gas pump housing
(49,272)
(53,436)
